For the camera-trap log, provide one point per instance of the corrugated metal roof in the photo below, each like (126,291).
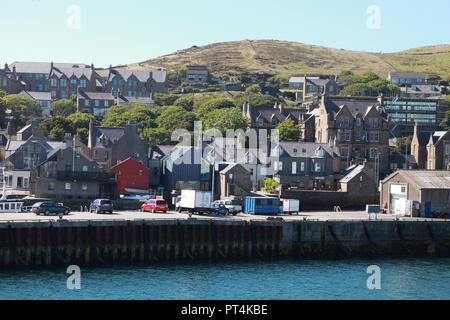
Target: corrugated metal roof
(428,179)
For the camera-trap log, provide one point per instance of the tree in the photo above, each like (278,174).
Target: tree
(58,122)
(174,117)
(187,102)
(21,107)
(63,107)
(113,117)
(288,131)
(226,118)
(213,104)
(158,136)
(253,89)
(162,99)
(83,133)
(278,82)
(403,145)
(57,134)
(81,120)
(257,101)
(270,185)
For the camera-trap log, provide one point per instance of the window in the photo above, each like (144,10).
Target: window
(68,186)
(261,122)
(63,83)
(53,94)
(345,122)
(141,172)
(294,167)
(51,186)
(53,82)
(318,167)
(97,103)
(86,103)
(106,104)
(83,83)
(63,94)
(73,83)
(358,122)
(84,187)
(302,166)
(115,82)
(374,137)
(85,168)
(373,123)
(344,152)
(373,153)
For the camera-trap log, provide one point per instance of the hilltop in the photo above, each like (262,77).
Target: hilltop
(291,58)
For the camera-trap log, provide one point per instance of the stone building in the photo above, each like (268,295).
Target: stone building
(359,128)
(136,83)
(234,182)
(197,74)
(431,150)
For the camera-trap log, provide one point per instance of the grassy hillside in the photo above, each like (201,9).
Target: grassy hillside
(431,60)
(291,58)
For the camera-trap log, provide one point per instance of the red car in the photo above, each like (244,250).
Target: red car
(155,205)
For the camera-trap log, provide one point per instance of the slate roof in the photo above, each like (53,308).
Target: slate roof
(37,95)
(96,95)
(268,113)
(407,75)
(303,150)
(71,71)
(422,89)
(112,135)
(41,67)
(301,79)
(133,99)
(351,173)
(355,105)
(142,76)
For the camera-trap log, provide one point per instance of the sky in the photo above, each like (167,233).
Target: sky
(117,32)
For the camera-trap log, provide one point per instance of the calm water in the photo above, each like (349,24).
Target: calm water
(283,279)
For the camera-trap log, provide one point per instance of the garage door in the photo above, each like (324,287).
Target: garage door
(398,199)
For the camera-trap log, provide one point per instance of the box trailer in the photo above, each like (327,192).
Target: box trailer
(291,206)
(197,202)
(263,206)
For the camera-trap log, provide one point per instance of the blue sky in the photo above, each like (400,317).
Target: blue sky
(125,31)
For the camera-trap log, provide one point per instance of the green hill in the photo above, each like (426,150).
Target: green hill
(291,58)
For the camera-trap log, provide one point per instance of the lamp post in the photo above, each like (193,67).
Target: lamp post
(213,163)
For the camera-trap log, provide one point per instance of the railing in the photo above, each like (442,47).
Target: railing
(85,176)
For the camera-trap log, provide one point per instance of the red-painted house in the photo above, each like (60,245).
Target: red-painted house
(132,176)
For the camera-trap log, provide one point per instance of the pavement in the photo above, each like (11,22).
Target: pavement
(137,215)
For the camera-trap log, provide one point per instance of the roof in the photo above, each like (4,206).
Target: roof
(69,71)
(160,151)
(268,113)
(112,134)
(355,105)
(142,76)
(301,79)
(132,99)
(351,173)
(303,150)
(228,168)
(41,67)
(96,95)
(422,89)
(37,95)
(120,164)
(425,179)
(407,75)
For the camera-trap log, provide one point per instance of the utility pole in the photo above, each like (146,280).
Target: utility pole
(214,164)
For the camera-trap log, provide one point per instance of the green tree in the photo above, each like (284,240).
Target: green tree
(57,134)
(21,107)
(187,102)
(278,82)
(288,131)
(58,122)
(162,99)
(257,101)
(174,117)
(81,120)
(213,104)
(83,133)
(226,118)
(113,117)
(403,145)
(64,107)
(270,185)
(159,136)
(253,89)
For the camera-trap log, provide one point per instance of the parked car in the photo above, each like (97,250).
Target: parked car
(155,205)
(101,206)
(48,208)
(134,196)
(232,208)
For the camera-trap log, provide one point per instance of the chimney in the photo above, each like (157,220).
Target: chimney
(281,107)
(68,140)
(6,67)
(92,66)
(275,106)
(249,110)
(91,129)
(244,109)
(14,72)
(110,68)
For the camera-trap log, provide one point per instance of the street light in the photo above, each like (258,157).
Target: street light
(214,125)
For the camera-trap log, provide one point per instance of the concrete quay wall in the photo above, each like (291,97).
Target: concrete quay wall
(59,243)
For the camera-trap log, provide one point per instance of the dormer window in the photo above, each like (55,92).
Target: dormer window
(320,152)
(261,122)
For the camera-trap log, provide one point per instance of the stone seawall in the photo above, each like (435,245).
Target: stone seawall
(45,244)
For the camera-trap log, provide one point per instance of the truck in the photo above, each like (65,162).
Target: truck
(198,202)
(291,206)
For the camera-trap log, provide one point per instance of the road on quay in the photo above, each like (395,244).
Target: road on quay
(137,215)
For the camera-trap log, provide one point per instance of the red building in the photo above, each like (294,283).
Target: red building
(132,176)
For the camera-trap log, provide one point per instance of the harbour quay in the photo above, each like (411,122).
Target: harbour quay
(132,237)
